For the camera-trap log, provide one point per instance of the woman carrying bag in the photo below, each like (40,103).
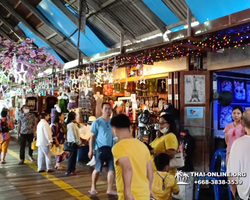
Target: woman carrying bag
(72,144)
(5,127)
(166,142)
(59,131)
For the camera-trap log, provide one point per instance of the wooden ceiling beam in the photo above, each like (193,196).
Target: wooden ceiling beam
(46,21)
(22,20)
(2,33)
(29,15)
(16,6)
(6,23)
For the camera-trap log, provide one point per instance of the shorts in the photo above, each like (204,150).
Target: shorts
(99,163)
(4,144)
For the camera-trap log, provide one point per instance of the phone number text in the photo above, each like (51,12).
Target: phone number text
(219,182)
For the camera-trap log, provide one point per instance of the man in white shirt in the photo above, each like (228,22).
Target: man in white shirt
(239,161)
(44,141)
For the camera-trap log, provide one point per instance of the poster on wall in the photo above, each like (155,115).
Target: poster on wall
(225,116)
(194,86)
(239,91)
(195,112)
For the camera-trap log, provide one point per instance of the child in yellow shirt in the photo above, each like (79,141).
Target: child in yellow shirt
(164,184)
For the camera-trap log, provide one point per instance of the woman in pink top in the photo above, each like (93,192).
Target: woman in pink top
(235,129)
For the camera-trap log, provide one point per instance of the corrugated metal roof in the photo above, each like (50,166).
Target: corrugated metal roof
(57,40)
(45,30)
(131,18)
(109,35)
(70,50)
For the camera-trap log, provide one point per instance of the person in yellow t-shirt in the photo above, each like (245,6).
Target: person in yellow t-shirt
(164,183)
(166,141)
(133,165)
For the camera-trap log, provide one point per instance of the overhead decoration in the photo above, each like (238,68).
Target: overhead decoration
(23,60)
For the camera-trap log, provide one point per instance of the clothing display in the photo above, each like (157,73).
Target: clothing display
(98,108)
(86,101)
(72,100)
(72,105)
(63,105)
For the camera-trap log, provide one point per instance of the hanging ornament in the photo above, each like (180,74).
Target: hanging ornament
(3,77)
(138,66)
(74,80)
(142,80)
(22,75)
(115,66)
(111,79)
(98,83)
(19,92)
(162,83)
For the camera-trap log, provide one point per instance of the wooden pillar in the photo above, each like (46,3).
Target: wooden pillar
(176,90)
(170,88)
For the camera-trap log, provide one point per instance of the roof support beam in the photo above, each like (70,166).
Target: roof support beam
(149,15)
(67,12)
(108,3)
(48,23)
(189,19)
(21,19)
(45,21)
(111,21)
(12,28)
(2,33)
(101,7)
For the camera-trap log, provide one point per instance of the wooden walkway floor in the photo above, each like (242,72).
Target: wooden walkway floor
(22,182)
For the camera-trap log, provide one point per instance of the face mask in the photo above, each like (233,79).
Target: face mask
(26,111)
(164,130)
(116,139)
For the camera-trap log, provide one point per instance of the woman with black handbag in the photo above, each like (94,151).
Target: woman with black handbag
(72,144)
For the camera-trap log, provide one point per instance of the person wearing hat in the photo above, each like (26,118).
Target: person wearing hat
(5,126)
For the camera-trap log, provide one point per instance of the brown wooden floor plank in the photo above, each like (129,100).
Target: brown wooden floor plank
(22,182)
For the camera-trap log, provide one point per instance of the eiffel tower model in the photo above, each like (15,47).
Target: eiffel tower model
(195,92)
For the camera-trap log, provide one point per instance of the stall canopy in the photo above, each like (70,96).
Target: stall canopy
(53,23)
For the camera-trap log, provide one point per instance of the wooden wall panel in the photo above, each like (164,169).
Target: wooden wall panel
(170,88)
(176,90)
(200,126)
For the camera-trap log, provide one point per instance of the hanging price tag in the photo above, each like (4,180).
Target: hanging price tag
(170,97)
(176,97)
(169,81)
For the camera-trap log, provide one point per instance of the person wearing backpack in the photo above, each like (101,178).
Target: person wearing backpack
(5,127)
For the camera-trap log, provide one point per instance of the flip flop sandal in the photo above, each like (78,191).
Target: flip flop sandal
(112,193)
(3,162)
(93,192)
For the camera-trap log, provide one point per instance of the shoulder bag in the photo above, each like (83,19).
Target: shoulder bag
(177,161)
(69,146)
(105,153)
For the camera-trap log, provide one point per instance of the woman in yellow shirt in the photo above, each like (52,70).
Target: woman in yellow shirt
(166,141)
